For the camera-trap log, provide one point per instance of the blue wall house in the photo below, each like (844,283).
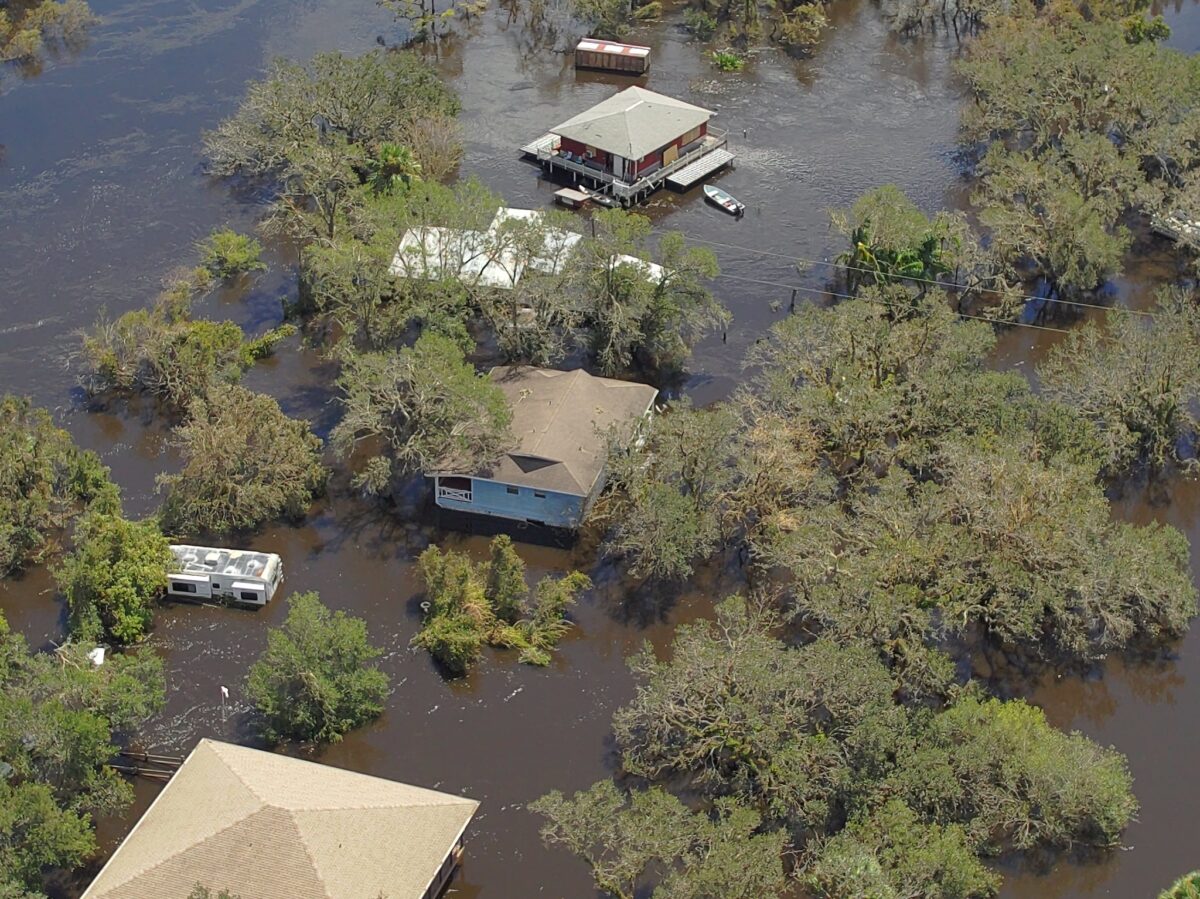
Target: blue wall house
(561,422)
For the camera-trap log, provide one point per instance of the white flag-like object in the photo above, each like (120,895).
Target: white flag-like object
(224,692)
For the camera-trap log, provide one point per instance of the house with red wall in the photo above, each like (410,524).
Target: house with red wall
(634,142)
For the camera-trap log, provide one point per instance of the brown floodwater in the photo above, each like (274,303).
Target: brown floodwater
(101,193)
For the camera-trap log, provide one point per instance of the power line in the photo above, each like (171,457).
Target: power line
(914,278)
(846,296)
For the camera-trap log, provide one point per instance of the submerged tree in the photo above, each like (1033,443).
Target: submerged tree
(319,131)
(425,405)
(29,29)
(641,308)
(625,837)
(874,797)
(244,462)
(165,352)
(58,715)
(472,605)
(1137,380)
(318,678)
(114,577)
(45,481)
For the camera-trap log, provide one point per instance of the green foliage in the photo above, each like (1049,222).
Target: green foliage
(317,679)
(45,481)
(317,131)
(1013,781)
(1138,381)
(394,166)
(228,254)
(700,23)
(426,405)
(113,577)
(1139,29)
(244,462)
(891,800)
(165,352)
(1186,887)
(1084,122)
(892,853)
(728,60)
(58,713)
(666,506)
(802,26)
(633,313)
(27,30)
(624,839)
(471,605)
(202,892)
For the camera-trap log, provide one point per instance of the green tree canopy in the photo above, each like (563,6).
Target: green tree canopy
(113,577)
(318,678)
(166,353)
(471,605)
(244,462)
(45,481)
(626,839)
(58,714)
(1137,380)
(877,797)
(424,407)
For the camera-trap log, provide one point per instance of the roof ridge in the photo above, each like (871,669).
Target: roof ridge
(142,872)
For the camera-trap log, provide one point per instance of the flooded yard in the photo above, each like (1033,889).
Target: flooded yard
(101,193)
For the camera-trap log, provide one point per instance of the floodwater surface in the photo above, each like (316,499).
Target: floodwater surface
(101,193)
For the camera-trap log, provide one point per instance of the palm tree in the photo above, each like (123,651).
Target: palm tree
(393,166)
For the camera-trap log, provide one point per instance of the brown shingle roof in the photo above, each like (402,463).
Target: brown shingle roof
(265,826)
(560,419)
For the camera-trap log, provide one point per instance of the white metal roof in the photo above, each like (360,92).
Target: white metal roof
(633,123)
(431,253)
(595,45)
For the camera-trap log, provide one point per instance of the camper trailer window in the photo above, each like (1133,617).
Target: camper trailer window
(247,596)
(183,588)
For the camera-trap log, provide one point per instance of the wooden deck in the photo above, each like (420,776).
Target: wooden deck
(545,151)
(701,168)
(545,143)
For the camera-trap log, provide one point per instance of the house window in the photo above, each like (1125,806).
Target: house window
(247,596)
(178,587)
(513,490)
(539,495)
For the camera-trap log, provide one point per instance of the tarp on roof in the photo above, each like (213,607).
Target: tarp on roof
(633,123)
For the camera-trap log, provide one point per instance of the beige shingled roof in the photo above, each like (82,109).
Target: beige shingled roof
(633,123)
(265,826)
(560,419)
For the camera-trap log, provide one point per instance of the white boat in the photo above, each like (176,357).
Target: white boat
(726,201)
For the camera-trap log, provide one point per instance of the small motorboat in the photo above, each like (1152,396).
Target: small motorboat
(726,201)
(601,199)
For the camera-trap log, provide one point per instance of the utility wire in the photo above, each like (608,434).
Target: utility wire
(846,296)
(936,283)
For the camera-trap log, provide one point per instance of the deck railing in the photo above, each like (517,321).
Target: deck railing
(462,496)
(713,140)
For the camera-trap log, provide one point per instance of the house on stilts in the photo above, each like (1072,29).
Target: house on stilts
(633,143)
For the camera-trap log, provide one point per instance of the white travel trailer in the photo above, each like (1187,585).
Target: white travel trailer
(240,576)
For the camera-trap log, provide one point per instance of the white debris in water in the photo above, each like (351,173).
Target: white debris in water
(513,693)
